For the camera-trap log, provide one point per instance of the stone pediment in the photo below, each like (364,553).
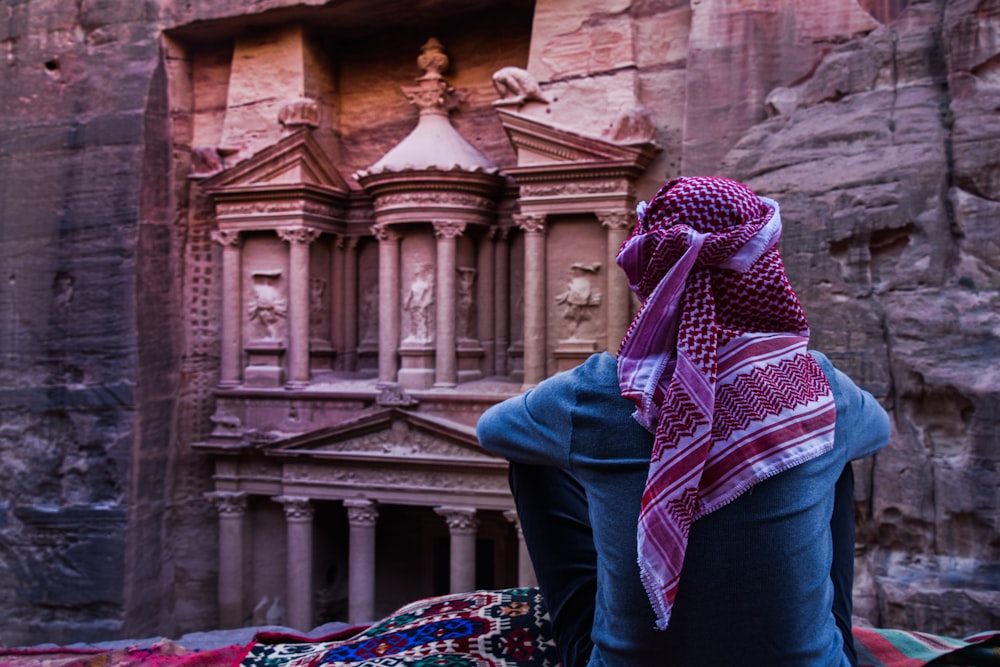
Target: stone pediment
(560,171)
(541,144)
(296,160)
(389,435)
(289,184)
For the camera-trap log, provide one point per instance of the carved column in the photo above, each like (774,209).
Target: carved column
(232,508)
(388,302)
(525,571)
(485,313)
(299,566)
(349,314)
(445,369)
(501,298)
(232,305)
(618,224)
(534,297)
(361,516)
(462,527)
(298,239)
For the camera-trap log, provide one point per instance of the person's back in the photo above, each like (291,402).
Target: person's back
(755,588)
(677,502)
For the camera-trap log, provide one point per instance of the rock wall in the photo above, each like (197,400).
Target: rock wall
(885,160)
(876,130)
(73,78)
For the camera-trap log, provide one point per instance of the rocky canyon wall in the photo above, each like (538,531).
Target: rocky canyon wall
(73,84)
(885,160)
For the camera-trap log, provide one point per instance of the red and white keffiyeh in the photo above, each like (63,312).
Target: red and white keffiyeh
(715,362)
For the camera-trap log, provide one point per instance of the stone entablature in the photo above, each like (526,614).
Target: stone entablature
(387,455)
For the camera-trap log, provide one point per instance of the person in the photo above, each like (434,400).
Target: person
(680,503)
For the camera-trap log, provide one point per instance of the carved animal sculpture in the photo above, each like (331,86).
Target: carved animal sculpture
(517,86)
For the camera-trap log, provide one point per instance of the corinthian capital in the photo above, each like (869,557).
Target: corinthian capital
(228,503)
(361,512)
(448,229)
(383,232)
(616,219)
(296,507)
(304,235)
(459,519)
(227,237)
(532,224)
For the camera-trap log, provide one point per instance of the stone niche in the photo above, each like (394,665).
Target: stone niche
(577,272)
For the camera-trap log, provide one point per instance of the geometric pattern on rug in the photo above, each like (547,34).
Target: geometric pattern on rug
(497,628)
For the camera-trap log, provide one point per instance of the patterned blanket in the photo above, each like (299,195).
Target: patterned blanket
(500,628)
(479,629)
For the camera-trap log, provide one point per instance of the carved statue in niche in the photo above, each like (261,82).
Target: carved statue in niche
(464,303)
(268,308)
(369,316)
(516,86)
(317,306)
(580,298)
(419,304)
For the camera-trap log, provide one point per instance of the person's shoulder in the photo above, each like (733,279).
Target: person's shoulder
(823,360)
(858,412)
(600,368)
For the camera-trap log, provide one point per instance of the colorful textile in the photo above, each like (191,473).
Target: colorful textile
(162,654)
(511,627)
(478,629)
(481,629)
(897,648)
(715,362)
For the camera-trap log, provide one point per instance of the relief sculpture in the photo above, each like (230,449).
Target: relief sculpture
(419,305)
(369,316)
(580,297)
(268,308)
(317,306)
(465,314)
(516,86)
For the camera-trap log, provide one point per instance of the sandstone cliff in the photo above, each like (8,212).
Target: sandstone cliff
(885,159)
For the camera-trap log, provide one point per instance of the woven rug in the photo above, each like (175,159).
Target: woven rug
(478,629)
(880,647)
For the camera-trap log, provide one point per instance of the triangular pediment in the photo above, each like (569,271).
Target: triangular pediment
(389,434)
(539,143)
(296,160)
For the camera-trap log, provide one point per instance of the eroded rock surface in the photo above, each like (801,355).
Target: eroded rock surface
(884,164)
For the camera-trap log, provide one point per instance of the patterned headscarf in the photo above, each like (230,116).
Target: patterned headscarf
(715,362)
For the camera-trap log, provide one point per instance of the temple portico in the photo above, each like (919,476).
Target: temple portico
(387,458)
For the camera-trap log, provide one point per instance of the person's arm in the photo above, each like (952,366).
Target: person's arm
(862,424)
(862,428)
(534,427)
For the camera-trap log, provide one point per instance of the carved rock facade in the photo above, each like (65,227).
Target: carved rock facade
(263,271)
